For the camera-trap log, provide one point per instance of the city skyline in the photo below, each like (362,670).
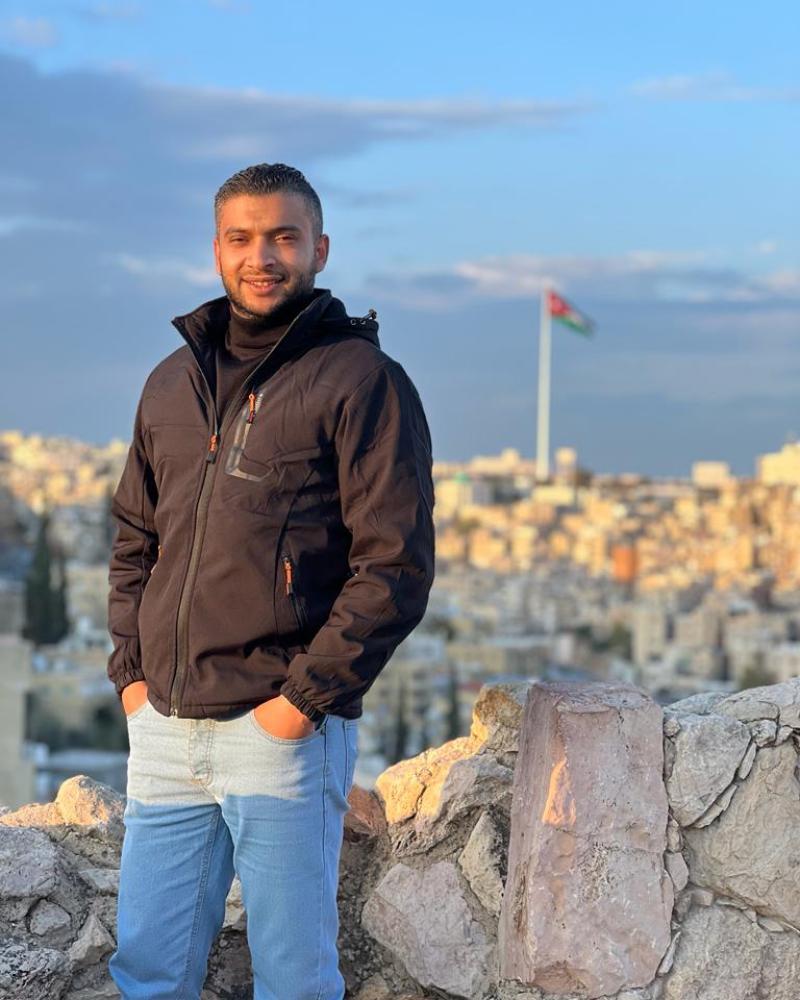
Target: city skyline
(647,172)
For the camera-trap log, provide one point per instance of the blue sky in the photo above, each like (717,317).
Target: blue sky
(644,159)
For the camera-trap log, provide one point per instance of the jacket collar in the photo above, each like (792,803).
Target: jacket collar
(202,327)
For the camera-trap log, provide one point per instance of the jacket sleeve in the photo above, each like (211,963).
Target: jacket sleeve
(386,489)
(134,551)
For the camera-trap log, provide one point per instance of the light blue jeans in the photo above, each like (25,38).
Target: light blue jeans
(210,797)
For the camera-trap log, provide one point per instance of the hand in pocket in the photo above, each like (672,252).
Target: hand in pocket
(134,696)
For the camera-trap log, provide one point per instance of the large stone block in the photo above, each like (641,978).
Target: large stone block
(587,902)
(708,752)
(723,955)
(423,919)
(752,851)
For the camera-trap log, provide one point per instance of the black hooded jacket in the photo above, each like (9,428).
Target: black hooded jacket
(287,551)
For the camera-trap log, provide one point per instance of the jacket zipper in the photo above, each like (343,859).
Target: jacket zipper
(288,572)
(201,513)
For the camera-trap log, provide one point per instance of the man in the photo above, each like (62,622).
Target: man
(274,544)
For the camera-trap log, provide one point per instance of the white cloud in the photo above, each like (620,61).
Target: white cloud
(30,32)
(765,247)
(712,86)
(109,11)
(640,275)
(166,269)
(12,224)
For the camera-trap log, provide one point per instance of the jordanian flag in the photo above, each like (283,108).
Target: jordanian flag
(561,310)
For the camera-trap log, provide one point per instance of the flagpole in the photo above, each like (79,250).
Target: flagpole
(543,419)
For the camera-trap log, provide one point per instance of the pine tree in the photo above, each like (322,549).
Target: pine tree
(453,727)
(45,605)
(399,744)
(59,619)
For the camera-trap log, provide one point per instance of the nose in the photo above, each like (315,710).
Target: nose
(263,254)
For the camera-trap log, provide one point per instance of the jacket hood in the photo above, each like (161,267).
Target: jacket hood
(324,315)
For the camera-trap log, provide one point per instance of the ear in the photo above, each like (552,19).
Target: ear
(321,251)
(216,256)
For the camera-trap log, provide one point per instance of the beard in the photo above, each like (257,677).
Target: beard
(284,311)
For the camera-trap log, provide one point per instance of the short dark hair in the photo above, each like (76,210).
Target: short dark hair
(268,178)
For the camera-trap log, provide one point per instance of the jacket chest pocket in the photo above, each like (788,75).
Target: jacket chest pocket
(239,462)
(262,448)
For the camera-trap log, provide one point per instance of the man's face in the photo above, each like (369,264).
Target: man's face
(266,253)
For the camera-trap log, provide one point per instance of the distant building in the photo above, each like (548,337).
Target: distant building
(566,465)
(711,474)
(17,772)
(459,491)
(780,467)
(624,562)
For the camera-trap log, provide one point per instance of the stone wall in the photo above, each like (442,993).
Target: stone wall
(579,843)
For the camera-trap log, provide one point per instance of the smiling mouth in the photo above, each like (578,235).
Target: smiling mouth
(263,284)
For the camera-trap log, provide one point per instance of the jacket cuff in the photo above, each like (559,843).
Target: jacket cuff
(123,680)
(290,693)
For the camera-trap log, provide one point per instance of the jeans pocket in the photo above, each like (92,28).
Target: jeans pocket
(312,737)
(137,711)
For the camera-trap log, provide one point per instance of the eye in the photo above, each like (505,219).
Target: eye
(287,236)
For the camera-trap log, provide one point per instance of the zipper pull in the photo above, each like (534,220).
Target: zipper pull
(287,572)
(212,448)
(252,413)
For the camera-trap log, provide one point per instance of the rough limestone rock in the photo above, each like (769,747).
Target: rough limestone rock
(101,880)
(85,820)
(84,802)
(678,869)
(422,917)
(779,702)
(376,988)
(92,944)
(401,786)
(708,751)
(511,990)
(28,864)
(49,921)
(483,863)
(30,973)
(722,955)
(752,852)
(702,703)
(587,901)
(497,715)
(365,819)
(428,798)
(235,916)
(764,732)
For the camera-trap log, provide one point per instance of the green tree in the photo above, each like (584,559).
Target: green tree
(621,641)
(399,743)
(45,601)
(453,721)
(757,674)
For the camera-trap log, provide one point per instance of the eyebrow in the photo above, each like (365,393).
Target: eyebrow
(267,232)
